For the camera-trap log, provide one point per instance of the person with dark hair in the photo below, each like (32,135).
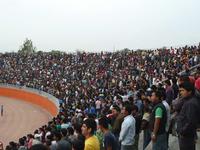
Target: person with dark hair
(48,132)
(127,132)
(63,145)
(168,110)
(7,148)
(116,121)
(88,129)
(22,144)
(13,145)
(77,144)
(63,132)
(158,120)
(109,140)
(138,100)
(71,135)
(79,136)
(65,123)
(1,110)
(187,119)
(153,88)
(98,106)
(183,78)
(197,94)
(57,137)
(138,118)
(169,92)
(145,123)
(175,87)
(39,147)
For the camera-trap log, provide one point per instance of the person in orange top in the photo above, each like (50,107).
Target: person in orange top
(88,129)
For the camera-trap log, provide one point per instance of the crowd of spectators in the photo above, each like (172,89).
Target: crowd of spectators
(112,88)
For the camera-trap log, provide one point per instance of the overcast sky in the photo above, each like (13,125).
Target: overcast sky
(96,25)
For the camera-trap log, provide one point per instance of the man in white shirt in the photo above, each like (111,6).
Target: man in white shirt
(98,106)
(127,132)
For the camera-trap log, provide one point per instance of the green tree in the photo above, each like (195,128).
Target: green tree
(56,52)
(27,47)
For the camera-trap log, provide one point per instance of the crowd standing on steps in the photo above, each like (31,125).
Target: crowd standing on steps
(107,99)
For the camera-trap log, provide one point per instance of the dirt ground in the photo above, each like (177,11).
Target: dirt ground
(20,118)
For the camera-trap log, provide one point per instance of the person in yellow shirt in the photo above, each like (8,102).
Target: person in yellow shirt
(88,129)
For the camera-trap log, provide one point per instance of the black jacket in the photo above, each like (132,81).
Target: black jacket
(187,119)
(197,94)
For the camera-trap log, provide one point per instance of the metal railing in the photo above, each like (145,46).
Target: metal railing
(192,69)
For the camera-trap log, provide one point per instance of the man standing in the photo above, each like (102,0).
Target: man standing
(98,106)
(91,141)
(117,119)
(127,132)
(169,92)
(1,110)
(188,117)
(109,140)
(138,120)
(158,120)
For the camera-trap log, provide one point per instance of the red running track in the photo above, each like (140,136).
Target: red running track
(20,118)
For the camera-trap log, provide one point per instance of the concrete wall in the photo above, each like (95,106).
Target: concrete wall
(30,96)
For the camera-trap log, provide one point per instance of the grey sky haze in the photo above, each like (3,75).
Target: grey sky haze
(96,25)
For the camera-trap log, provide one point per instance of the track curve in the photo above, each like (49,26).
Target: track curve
(20,118)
